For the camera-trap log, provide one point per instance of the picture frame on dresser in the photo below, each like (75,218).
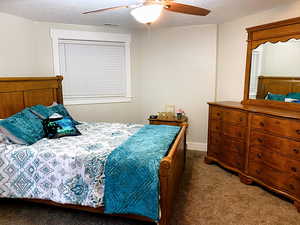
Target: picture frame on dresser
(259,137)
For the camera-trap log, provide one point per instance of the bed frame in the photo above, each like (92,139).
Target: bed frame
(277,85)
(19,93)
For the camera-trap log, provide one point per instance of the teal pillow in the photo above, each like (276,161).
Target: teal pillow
(294,95)
(276,97)
(23,128)
(45,112)
(41,111)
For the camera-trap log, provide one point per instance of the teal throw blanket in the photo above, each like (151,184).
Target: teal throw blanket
(132,172)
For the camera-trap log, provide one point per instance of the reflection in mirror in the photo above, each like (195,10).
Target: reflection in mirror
(275,72)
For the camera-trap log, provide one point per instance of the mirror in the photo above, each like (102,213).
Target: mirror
(275,71)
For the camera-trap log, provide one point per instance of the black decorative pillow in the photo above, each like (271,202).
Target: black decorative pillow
(60,127)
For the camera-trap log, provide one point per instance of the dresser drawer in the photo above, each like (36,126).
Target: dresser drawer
(231,158)
(269,175)
(235,116)
(215,138)
(215,125)
(213,150)
(216,112)
(282,127)
(292,185)
(273,159)
(234,131)
(230,144)
(276,178)
(284,146)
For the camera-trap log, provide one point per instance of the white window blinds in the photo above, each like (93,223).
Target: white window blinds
(93,69)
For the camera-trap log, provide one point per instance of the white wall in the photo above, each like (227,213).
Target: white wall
(178,67)
(233,46)
(17,48)
(169,66)
(26,50)
(281,59)
(115,112)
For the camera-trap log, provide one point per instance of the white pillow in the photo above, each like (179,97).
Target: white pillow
(53,104)
(290,99)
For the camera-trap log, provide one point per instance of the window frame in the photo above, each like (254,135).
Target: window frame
(57,34)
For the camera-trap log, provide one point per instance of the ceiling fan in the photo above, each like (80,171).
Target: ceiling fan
(149,11)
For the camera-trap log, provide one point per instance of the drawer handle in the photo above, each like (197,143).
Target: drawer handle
(261,124)
(260,140)
(259,155)
(298,131)
(241,119)
(294,169)
(296,151)
(292,186)
(218,114)
(257,171)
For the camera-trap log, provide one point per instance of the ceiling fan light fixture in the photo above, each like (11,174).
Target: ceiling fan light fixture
(147,13)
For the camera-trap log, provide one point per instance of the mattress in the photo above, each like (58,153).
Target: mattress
(68,170)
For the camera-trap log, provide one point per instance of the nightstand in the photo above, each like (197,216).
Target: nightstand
(171,122)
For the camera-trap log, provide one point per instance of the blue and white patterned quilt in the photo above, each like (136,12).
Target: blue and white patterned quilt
(67,170)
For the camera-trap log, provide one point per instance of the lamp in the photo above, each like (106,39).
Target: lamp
(147,13)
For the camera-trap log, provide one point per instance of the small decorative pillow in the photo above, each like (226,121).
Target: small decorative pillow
(45,112)
(60,127)
(23,128)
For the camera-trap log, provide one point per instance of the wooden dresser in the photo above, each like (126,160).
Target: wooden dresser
(261,144)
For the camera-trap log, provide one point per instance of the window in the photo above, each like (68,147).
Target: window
(95,66)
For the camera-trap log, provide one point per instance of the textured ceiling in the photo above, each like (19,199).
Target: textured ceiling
(69,11)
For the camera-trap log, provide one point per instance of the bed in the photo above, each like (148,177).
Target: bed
(277,85)
(19,93)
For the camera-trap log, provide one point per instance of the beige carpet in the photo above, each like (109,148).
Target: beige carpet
(209,196)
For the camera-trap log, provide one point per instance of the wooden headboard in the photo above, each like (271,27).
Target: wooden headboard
(277,85)
(17,93)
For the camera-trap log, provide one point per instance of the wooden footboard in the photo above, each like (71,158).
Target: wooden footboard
(171,170)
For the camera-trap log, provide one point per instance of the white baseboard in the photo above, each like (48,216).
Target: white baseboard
(197,146)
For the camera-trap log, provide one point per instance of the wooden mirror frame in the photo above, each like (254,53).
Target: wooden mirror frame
(281,31)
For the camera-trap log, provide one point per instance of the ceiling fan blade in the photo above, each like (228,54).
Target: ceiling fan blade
(187,9)
(101,10)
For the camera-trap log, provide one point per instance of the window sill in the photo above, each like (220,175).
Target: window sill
(95,100)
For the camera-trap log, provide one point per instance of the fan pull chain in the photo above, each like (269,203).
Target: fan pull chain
(149,31)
